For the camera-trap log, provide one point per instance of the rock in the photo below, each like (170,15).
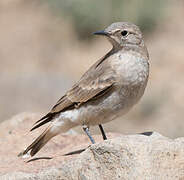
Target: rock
(15,136)
(149,156)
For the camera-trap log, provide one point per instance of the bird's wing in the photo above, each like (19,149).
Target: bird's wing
(96,81)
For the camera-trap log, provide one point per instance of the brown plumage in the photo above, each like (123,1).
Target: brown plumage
(107,90)
(94,82)
(83,91)
(39,142)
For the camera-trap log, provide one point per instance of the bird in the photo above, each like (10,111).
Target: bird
(108,89)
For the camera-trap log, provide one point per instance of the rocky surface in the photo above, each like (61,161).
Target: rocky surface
(148,156)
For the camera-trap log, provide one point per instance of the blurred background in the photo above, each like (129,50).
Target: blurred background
(46,45)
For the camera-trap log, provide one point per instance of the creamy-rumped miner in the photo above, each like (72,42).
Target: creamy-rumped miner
(109,88)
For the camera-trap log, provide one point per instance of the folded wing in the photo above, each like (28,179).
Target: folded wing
(96,81)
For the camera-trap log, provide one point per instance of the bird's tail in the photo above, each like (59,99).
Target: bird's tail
(53,130)
(39,142)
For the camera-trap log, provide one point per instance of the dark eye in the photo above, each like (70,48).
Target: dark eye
(124,33)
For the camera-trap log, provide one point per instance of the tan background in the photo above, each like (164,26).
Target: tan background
(42,54)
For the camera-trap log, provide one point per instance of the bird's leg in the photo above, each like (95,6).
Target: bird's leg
(86,129)
(103,132)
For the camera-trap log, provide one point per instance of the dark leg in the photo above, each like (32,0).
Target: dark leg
(103,132)
(86,129)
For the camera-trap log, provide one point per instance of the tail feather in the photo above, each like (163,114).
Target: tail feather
(42,123)
(54,129)
(47,118)
(39,142)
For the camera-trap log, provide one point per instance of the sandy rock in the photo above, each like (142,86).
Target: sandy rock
(148,156)
(15,136)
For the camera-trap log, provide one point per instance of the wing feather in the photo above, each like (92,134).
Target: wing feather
(96,81)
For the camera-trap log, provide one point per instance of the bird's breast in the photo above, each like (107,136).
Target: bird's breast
(130,69)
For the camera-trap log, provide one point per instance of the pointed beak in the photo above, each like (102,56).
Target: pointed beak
(102,33)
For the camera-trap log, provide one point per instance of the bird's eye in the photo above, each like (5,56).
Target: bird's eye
(124,33)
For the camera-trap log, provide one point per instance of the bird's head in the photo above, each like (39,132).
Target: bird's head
(122,34)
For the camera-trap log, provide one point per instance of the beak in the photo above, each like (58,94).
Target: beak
(103,33)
